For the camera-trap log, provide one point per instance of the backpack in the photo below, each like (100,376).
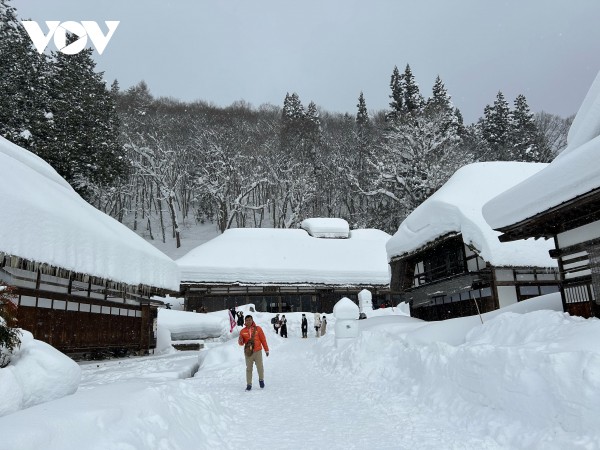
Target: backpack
(273,320)
(249,346)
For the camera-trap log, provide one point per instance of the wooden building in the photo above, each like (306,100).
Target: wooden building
(280,270)
(447,262)
(562,202)
(84,282)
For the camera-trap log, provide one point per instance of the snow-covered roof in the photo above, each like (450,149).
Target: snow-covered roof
(326,227)
(288,256)
(46,221)
(456,208)
(575,172)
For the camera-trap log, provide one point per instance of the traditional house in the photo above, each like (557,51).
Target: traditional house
(446,261)
(306,269)
(83,280)
(562,202)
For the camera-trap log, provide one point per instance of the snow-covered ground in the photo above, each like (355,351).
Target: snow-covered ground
(529,377)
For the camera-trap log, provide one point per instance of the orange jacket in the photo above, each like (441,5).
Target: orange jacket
(260,340)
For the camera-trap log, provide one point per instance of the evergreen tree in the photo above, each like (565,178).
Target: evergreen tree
(413,101)
(440,98)
(524,134)
(362,116)
(397,96)
(312,127)
(440,110)
(24,117)
(85,149)
(363,140)
(496,129)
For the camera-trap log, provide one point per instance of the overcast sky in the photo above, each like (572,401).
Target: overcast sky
(328,51)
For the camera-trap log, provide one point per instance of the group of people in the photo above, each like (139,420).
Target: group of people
(320,325)
(255,336)
(238,316)
(280,325)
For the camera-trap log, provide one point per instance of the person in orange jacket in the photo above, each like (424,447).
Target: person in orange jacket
(260,342)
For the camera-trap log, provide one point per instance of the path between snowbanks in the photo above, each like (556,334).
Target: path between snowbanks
(302,406)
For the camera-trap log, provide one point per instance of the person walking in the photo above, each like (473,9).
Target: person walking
(283,328)
(304,326)
(323,325)
(317,324)
(254,336)
(275,322)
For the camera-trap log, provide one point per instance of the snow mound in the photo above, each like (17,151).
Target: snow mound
(37,373)
(529,376)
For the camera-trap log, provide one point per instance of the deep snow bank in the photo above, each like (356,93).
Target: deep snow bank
(37,373)
(528,380)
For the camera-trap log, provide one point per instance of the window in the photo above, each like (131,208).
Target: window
(529,291)
(444,261)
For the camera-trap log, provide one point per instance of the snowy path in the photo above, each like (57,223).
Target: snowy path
(302,406)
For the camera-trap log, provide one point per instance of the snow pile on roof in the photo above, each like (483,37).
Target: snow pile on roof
(576,171)
(326,228)
(275,256)
(586,125)
(37,374)
(45,220)
(457,208)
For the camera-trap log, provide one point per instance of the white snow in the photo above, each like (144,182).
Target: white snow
(457,208)
(44,220)
(529,377)
(185,326)
(326,227)
(25,134)
(275,256)
(586,125)
(576,171)
(365,301)
(345,309)
(36,374)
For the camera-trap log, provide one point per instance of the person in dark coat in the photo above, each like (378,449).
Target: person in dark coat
(323,326)
(304,326)
(240,319)
(283,332)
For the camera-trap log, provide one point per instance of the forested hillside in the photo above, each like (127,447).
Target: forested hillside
(154,163)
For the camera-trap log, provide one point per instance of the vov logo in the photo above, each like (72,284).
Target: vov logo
(83,29)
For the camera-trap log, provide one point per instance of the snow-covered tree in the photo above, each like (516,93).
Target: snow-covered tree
(413,100)
(496,128)
(397,96)
(85,147)
(525,139)
(24,115)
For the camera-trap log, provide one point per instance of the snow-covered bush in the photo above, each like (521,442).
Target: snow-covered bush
(9,333)
(37,374)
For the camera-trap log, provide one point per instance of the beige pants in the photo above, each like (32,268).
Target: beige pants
(256,358)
